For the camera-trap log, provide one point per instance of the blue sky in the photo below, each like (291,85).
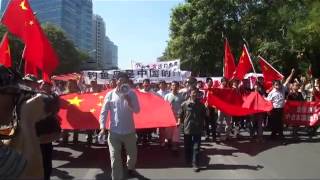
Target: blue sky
(139,28)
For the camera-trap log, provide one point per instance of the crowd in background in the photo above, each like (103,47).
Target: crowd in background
(195,118)
(217,123)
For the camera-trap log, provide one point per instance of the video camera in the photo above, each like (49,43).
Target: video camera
(11,84)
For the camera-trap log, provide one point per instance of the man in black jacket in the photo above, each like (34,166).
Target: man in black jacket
(192,117)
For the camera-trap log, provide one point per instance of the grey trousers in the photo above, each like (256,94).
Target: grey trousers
(221,119)
(115,142)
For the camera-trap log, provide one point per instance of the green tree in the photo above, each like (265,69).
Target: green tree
(285,32)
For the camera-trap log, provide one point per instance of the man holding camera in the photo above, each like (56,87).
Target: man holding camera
(121,103)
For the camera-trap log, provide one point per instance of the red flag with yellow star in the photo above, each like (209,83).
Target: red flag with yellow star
(38,50)
(82,111)
(244,65)
(5,56)
(21,21)
(269,73)
(16,17)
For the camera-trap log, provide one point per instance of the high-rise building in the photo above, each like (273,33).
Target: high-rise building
(111,53)
(73,16)
(99,32)
(106,53)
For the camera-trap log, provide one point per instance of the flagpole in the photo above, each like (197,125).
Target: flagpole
(246,44)
(245,47)
(22,56)
(224,54)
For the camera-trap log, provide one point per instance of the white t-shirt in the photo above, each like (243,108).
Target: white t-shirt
(175,101)
(163,93)
(277,97)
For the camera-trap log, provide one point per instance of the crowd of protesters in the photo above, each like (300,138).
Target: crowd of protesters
(194,117)
(217,123)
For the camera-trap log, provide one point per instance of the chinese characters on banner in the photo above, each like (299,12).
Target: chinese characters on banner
(163,65)
(155,75)
(302,113)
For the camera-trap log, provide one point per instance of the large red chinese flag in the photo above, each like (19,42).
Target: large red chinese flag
(269,73)
(82,111)
(21,21)
(16,16)
(234,103)
(39,51)
(229,65)
(5,56)
(244,65)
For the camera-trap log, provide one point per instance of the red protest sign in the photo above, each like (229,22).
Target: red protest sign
(302,113)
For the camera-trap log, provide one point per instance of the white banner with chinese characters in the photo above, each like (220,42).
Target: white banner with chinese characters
(155,75)
(302,113)
(163,65)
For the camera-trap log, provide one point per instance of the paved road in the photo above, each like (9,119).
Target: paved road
(236,159)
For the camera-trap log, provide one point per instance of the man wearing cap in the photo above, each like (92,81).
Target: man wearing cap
(122,129)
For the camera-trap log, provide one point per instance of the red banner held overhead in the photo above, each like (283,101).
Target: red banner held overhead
(302,113)
(82,111)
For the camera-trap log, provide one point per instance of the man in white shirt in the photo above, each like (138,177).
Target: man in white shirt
(122,129)
(162,92)
(163,89)
(175,99)
(277,97)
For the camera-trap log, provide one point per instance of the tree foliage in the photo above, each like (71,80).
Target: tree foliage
(70,57)
(285,32)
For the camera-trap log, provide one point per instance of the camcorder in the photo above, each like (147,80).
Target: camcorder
(11,83)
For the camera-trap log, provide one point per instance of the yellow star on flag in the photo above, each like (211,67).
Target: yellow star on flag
(92,110)
(23,5)
(100,104)
(31,22)
(75,101)
(101,97)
